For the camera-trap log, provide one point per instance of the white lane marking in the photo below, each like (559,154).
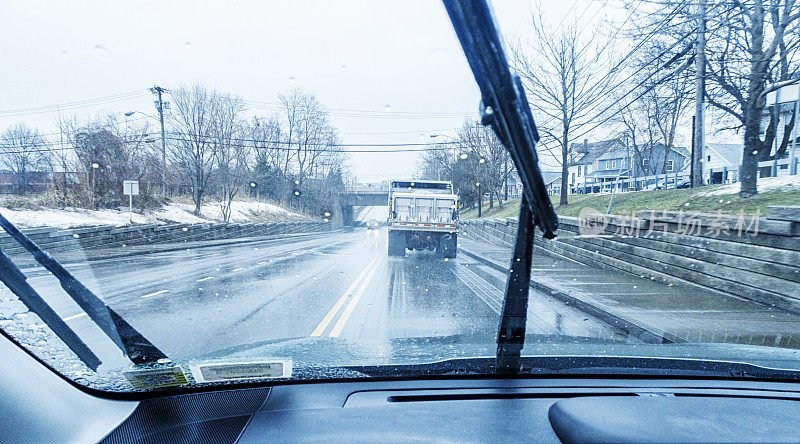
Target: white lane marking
(155,293)
(335,309)
(486,292)
(237,269)
(69,318)
(262,262)
(337,329)
(205,279)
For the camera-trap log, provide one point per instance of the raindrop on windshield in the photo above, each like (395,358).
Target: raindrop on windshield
(463,156)
(64,54)
(76,235)
(387,107)
(291,79)
(187,43)
(343,66)
(102,52)
(184,229)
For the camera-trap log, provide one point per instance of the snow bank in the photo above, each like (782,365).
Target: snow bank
(784,183)
(241,211)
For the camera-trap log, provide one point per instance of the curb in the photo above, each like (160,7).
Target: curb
(630,328)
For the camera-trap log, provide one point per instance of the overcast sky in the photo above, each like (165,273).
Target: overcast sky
(389,71)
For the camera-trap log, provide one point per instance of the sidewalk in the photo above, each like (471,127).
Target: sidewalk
(649,310)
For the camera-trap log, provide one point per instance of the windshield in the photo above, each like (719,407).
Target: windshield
(198,194)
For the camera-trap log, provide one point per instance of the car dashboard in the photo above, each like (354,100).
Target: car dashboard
(38,405)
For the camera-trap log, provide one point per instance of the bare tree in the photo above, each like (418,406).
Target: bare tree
(651,121)
(569,78)
(265,137)
(307,136)
(23,151)
(230,151)
(195,114)
(749,56)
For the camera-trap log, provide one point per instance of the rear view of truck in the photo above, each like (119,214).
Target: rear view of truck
(422,216)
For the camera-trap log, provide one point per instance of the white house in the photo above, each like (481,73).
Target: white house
(721,162)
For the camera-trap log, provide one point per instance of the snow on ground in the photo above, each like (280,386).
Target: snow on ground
(241,211)
(784,183)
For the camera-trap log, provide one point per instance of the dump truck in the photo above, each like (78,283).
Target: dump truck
(423,215)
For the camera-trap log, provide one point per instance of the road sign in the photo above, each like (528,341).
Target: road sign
(130,187)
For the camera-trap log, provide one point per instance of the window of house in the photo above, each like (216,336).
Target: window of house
(573,177)
(645,164)
(579,171)
(613,164)
(670,166)
(608,164)
(708,158)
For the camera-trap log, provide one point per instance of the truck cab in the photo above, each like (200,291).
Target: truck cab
(423,215)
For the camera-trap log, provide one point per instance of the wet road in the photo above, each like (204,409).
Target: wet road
(197,302)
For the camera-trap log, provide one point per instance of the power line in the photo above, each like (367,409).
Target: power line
(72,105)
(631,102)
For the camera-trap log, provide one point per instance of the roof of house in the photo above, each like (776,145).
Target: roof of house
(587,153)
(550,176)
(730,153)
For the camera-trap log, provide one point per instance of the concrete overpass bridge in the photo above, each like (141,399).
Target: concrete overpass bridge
(354,198)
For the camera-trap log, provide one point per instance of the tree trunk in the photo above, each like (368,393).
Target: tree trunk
(752,143)
(564,172)
(196,196)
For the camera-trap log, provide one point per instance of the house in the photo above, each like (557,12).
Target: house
(721,162)
(598,167)
(37,181)
(593,163)
(552,182)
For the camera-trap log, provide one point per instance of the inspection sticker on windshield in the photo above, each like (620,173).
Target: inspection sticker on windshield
(231,371)
(156,378)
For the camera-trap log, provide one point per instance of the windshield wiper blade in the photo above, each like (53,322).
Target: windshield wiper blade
(505,107)
(135,346)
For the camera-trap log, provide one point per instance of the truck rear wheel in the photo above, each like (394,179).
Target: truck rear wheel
(397,243)
(448,244)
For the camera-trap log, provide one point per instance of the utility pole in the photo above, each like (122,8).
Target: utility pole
(699,136)
(159,90)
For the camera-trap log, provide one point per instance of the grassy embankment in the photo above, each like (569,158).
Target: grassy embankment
(694,200)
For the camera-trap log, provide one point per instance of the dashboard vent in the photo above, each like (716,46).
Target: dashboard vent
(483,396)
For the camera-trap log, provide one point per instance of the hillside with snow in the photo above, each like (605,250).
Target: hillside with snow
(242,211)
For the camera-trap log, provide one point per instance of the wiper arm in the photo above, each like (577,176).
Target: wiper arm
(131,342)
(505,107)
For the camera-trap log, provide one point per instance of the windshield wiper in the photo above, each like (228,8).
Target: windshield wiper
(505,107)
(135,346)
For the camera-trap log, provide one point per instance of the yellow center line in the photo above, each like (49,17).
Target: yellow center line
(329,317)
(337,329)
